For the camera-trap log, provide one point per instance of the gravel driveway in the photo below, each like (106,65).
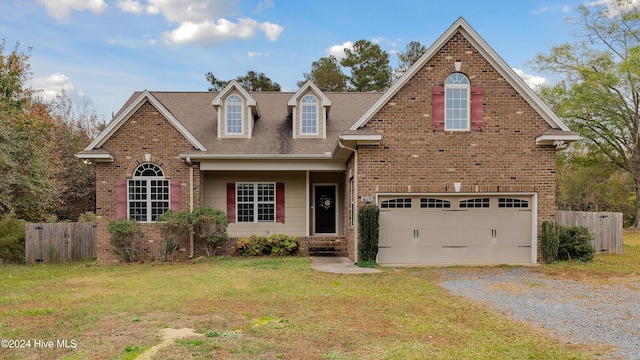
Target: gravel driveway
(606,317)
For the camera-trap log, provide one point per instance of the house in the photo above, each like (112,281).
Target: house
(459,155)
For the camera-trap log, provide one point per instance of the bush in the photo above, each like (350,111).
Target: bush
(368,222)
(275,244)
(549,241)
(125,235)
(173,225)
(574,244)
(210,225)
(12,239)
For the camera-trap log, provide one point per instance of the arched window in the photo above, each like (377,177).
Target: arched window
(147,193)
(234,114)
(309,117)
(457,101)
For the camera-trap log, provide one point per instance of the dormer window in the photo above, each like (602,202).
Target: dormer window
(457,102)
(234,114)
(309,115)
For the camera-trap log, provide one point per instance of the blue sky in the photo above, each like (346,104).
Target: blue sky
(106,49)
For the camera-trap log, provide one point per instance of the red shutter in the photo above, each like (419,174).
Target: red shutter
(437,108)
(121,199)
(280,203)
(174,194)
(477,121)
(231,202)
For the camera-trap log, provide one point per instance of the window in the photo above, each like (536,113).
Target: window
(474,203)
(403,203)
(256,202)
(147,193)
(234,114)
(309,117)
(430,203)
(457,102)
(512,203)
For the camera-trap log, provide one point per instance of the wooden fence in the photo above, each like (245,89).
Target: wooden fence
(605,226)
(61,242)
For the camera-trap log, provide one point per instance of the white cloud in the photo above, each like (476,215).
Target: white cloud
(193,11)
(253,54)
(211,32)
(132,6)
(61,9)
(531,80)
(264,4)
(541,10)
(338,50)
(203,21)
(49,86)
(611,4)
(272,31)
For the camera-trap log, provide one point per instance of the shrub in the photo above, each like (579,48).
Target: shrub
(574,243)
(282,245)
(369,227)
(12,239)
(275,244)
(125,235)
(250,246)
(210,225)
(173,225)
(549,241)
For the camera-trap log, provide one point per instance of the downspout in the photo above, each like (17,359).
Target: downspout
(356,202)
(190,204)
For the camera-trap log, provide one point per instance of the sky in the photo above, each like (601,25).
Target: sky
(104,50)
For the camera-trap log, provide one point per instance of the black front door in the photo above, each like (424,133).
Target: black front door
(325,209)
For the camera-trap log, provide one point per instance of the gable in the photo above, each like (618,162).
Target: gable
(132,108)
(462,29)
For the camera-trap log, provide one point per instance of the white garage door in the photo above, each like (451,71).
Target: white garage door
(455,229)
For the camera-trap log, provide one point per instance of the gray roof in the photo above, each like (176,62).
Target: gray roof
(272,132)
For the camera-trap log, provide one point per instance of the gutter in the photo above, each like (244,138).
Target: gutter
(356,203)
(191,246)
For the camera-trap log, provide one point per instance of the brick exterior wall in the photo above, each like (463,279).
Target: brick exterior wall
(145,132)
(502,158)
(411,158)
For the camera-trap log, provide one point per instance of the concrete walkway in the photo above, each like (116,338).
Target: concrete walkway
(339,265)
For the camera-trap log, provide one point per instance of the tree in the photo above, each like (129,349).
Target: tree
(370,70)
(598,87)
(405,59)
(326,74)
(585,185)
(252,81)
(25,186)
(74,126)
(14,73)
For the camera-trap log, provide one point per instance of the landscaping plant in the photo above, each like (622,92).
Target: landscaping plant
(574,244)
(274,244)
(549,241)
(368,222)
(173,225)
(125,238)
(210,225)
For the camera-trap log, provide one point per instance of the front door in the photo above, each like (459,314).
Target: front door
(325,209)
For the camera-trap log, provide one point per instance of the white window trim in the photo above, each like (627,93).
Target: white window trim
(316,105)
(148,200)
(256,202)
(226,115)
(466,87)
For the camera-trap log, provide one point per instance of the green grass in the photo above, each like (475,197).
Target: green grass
(266,308)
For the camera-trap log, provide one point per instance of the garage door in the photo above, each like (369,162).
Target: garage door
(432,230)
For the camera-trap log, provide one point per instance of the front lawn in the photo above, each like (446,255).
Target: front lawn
(268,308)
